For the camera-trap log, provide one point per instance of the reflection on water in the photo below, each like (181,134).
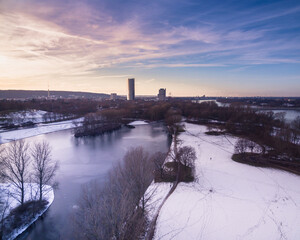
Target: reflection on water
(85,159)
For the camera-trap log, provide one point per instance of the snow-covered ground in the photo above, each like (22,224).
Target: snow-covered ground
(35,116)
(31,193)
(136,123)
(228,200)
(9,136)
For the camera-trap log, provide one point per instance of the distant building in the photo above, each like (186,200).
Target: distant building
(161,94)
(131,94)
(113,96)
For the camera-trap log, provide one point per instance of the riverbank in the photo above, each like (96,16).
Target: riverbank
(228,200)
(17,220)
(86,159)
(8,136)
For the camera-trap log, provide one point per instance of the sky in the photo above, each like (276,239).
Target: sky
(189,47)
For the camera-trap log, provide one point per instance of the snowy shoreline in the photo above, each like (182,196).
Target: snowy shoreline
(9,136)
(138,122)
(228,200)
(13,203)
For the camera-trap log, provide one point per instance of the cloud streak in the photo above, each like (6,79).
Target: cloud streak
(65,39)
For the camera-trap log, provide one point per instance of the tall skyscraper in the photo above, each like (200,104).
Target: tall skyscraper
(131,93)
(161,94)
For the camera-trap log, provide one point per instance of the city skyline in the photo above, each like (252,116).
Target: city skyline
(192,48)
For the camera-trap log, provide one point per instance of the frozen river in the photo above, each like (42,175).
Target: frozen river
(85,159)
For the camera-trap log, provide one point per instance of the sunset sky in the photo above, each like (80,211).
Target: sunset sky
(228,48)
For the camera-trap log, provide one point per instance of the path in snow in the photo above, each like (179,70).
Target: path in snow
(228,200)
(151,230)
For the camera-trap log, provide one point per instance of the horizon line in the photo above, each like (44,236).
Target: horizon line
(150,95)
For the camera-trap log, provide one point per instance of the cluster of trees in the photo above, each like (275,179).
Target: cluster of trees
(28,118)
(243,146)
(69,107)
(100,122)
(183,164)
(180,169)
(264,128)
(22,164)
(53,117)
(12,105)
(247,151)
(118,209)
(290,132)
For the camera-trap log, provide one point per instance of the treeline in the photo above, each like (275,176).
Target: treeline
(247,151)
(30,94)
(118,209)
(265,128)
(138,109)
(77,107)
(269,102)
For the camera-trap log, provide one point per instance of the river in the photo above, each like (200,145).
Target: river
(290,114)
(84,159)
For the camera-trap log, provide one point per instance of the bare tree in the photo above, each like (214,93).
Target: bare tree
(158,161)
(296,123)
(117,209)
(89,220)
(2,166)
(251,145)
(187,156)
(16,161)
(280,116)
(139,170)
(44,167)
(241,146)
(4,204)
(4,208)
(295,128)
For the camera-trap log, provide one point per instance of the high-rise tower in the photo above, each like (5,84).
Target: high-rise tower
(131,93)
(161,94)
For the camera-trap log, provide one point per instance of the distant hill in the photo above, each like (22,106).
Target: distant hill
(25,94)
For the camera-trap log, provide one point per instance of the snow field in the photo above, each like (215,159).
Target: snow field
(136,123)
(228,200)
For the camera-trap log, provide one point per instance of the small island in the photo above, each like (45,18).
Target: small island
(26,192)
(18,217)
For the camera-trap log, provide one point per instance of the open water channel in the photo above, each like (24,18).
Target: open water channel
(82,160)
